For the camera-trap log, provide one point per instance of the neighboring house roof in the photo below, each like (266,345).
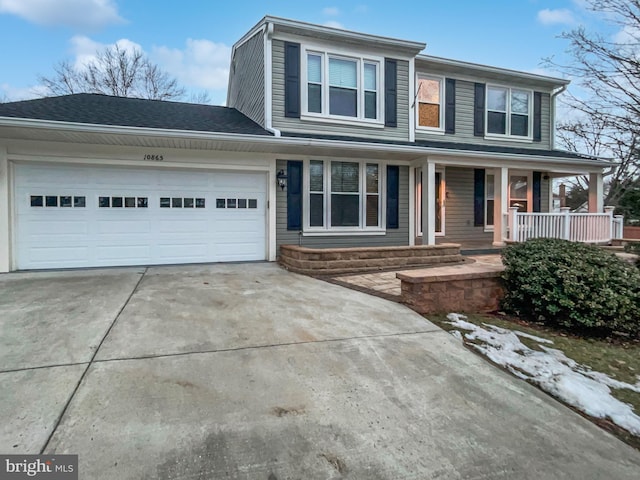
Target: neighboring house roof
(96,109)
(448,146)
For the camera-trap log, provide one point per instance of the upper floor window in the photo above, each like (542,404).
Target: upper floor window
(508,112)
(342,86)
(430,97)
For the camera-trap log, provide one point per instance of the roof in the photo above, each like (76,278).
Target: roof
(455,146)
(316,32)
(96,109)
(468,68)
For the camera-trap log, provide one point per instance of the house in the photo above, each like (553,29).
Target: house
(330,138)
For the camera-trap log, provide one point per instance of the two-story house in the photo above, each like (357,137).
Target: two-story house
(329,138)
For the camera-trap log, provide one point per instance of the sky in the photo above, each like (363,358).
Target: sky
(192,40)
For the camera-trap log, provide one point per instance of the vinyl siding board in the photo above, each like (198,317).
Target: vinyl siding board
(544,194)
(459,209)
(396,236)
(246,89)
(286,124)
(464,122)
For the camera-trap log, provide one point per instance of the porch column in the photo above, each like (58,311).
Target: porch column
(428,205)
(4,212)
(596,193)
(500,205)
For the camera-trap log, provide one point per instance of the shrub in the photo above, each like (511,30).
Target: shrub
(633,247)
(580,287)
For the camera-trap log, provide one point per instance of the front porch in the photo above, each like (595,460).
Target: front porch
(483,209)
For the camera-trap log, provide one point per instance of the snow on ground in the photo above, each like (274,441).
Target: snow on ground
(550,369)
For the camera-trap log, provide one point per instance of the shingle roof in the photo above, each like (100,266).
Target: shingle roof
(133,112)
(471,147)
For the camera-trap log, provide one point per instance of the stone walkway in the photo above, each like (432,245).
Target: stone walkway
(386,285)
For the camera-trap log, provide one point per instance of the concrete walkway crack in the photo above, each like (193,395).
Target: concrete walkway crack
(91,361)
(271,345)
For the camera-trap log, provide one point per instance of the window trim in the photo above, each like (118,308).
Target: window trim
(487,227)
(360,60)
(441,80)
(507,135)
(328,229)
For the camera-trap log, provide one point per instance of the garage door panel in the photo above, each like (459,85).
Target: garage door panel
(131,254)
(94,235)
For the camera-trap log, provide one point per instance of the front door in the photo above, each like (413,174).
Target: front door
(439,206)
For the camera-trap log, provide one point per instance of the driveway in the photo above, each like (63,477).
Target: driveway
(248,371)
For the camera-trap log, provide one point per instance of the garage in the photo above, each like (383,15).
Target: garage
(81,216)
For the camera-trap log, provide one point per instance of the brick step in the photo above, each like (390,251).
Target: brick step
(335,261)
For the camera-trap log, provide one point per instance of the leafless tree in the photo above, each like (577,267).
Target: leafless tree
(607,76)
(115,71)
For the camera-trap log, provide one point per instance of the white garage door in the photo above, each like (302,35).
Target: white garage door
(86,217)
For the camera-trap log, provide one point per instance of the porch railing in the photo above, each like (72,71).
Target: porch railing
(576,227)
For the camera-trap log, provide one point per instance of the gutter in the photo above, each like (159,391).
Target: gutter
(418,151)
(552,127)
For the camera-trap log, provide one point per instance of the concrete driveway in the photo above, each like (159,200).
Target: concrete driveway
(248,371)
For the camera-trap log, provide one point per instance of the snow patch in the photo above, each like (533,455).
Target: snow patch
(554,372)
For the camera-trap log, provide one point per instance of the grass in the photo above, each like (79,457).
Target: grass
(620,359)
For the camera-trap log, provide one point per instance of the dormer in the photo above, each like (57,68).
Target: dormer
(294,77)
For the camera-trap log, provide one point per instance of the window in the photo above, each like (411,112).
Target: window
(180,202)
(119,202)
(518,192)
(429,98)
(63,201)
(343,194)
(489,199)
(236,203)
(339,86)
(508,112)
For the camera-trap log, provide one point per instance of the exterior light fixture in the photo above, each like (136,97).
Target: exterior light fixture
(282,179)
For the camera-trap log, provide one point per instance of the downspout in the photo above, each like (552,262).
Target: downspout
(268,81)
(552,128)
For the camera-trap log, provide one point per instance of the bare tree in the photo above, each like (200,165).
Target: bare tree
(115,71)
(607,73)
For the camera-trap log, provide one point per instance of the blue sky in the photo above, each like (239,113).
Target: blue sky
(192,39)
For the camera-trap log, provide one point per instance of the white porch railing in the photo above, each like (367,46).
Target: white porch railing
(576,227)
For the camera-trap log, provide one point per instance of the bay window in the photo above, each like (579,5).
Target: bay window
(343,195)
(508,112)
(342,87)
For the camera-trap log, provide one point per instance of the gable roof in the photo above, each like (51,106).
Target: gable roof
(96,109)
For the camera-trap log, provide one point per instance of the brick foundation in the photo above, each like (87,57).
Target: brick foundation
(473,288)
(334,261)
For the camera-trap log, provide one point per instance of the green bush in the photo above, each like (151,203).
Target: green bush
(580,287)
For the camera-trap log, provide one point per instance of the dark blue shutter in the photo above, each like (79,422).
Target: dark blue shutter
(450,106)
(393,192)
(292,80)
(478,110)
(390,92)
(537,191)
(537,116)
(478,197)
(294,195)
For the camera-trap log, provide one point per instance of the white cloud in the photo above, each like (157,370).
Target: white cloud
(84,49)
(334,24)
(332,11)
(629,34)
(560,16)
(201,64)
(89,14)
(10,93)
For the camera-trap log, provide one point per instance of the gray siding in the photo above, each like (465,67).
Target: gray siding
(544,194)
(401,132)
(459,209)
(397,236)
(246,89)
(464,122)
